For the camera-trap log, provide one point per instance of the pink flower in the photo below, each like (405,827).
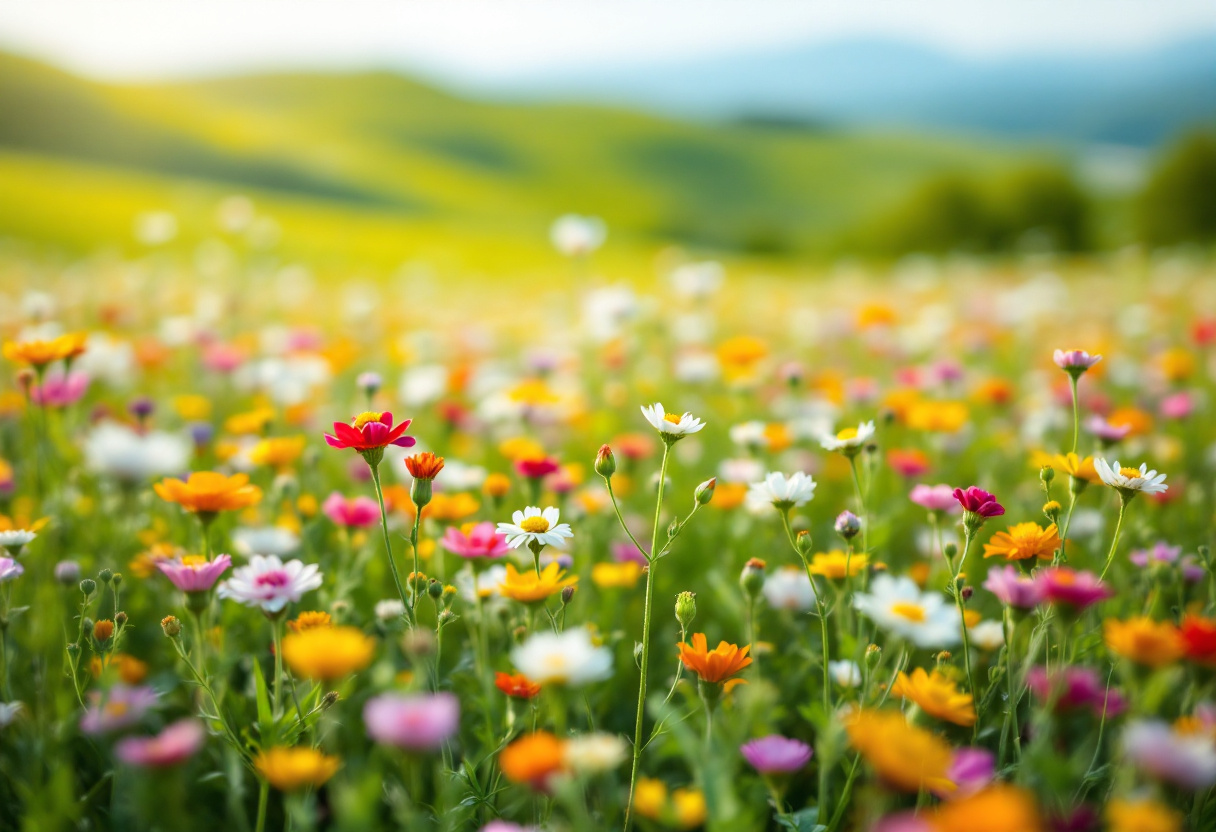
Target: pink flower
(976,500)
(1075,687)
(370,431)
(269,583)
(1178,405)
(1063,585)
(193,573)
(119,707)
(1012,588)
(1161,552)
(60,390)
(1185,760)
(971,770)
(10,570)
(1107,433)
(624,550)
(480,541)
(356,512)
(176,744)
(934,497)
(776,754)
(537,468)
(420,722)
(223,358)
(906,821)
(1075,361)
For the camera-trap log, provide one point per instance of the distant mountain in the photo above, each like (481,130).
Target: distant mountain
(1137,98)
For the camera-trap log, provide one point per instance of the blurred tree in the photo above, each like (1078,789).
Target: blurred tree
(1041,203)
(1179,202)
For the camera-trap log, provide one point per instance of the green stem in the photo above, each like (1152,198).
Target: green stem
(388,546)
(1062,557)
(957,592)
(861,507)
(1114,544)
(1076,413)
(1014,690)
(263,799)
(277,626)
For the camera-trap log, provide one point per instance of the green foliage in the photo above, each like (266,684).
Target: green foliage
(1179,202)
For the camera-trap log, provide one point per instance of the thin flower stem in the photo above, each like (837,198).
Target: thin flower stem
(1062,556)
(388,546)
(277,629)
(1014,690)
(414,546)
(263,799)
(1076,413)
(621,520)
(645,657)
(861,506)
(957,592)
(1114,543)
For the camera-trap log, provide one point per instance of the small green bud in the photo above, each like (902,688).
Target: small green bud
(105,575)
(804,543)
(705,491)
(605,462)
(420,492)
(434,589)
(752,578)
(171,626)
(951,550)
(1047,474)
(873,655)
(686,608)
(88,586)
(567,595)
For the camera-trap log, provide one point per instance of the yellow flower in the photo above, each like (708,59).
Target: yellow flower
(616,575)
(833,564)
(1176,364)
(291,769)
(650,798)
(328,653)
(937,416)
(191,407)
(278,452)
(450,507)
(904,756)
(533,392)
(529,588)
(1081,468)
(496,485)
(998,808)
(208,492)
(310,620)
(689,807)
(936,695)
(1141,816)
(253,422)
(1143,640)
(521,447)
(40,353)
(1023,541)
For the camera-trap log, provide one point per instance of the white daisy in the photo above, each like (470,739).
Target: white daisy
(845,673)
(390,609)
(568,658)
(269,583)
(533,525)
(595,753)
(849,439)
(785,492)
(898,605)
(1130,481)
(265,540)
(988,635)
(789,588)
(670,425)
(15,540)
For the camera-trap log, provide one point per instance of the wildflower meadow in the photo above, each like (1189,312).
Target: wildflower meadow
(922,547)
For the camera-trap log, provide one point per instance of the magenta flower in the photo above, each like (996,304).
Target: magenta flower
(353,512)
(971,770)
(172,746)
(1107,433)
(480,541)
(1192,571)
(1075,361)
(59,389)
(119,707)
(421,722)
(370,431)
(537,468)
(776,754)
(193,573)
(1012,588)
(624,550)
(978,503)
(1078,688)
(1077,589)
(934,497)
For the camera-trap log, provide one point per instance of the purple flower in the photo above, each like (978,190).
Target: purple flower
(1107,433)
(1012,588)
(1161,552)
(1075,361)
(10,570)
(1077,589)
(979,502)
(67,572)
(1186,760)
(1191,570)
(934,497)
(176,744)
(971,770)
(194,574)
(369,382)
(119,707)
(847,525)
(420,722)
(776,754)
(1078,687)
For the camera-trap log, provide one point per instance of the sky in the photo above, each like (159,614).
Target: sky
(480,41)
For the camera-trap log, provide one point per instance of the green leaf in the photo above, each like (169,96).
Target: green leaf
(265,719)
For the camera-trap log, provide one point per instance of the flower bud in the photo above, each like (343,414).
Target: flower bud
(673,530)
(103,630)
(446,617)
(1051,509)
(1047,474)
(105,575)
(370,383)
(686,608)
(88,586)
(420,492)
(117,579)
(873,655)
(752,578)
(848,525)
(329,700)
(567,595)
(120,618)
(171,626)
(605,462)
(950,550)
(804,543)
(705,491)
(968,591)
(73,649)
(434,589)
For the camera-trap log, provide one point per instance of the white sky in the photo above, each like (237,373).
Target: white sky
(480,40)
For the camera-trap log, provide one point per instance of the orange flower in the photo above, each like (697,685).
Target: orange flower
(729,495)
(208,492)
(310,621)
(40,353)
(292,769)
(998,808)
(904,756)
(103,630)
(448,507)
(517,686)
(715,665)
(936,695)
(424,466)
(496,485)
(1144,641)
(1022,541)
(1134,418)
(532,759)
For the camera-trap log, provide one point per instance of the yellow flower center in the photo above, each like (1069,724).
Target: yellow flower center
(1130,473)
(194,561)
(908,610)
(365,417)
(671,417)
(847,433)
(535,525)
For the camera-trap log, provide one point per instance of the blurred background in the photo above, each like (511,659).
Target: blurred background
(377,135)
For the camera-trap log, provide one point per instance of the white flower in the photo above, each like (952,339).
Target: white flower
(569,658)
(16,539)
(486,582)
(849,439)
(749,434)
(785,492)
(697,280)
(742,470)
(669,424)
(9,712)
(1187,760)
(269,583)
(1131,480)
(390,609)
(532,524)
(789,588)
(898,605)
(988,635)
(574,236)
(265,540)
(120,452)
(845,673)
(424,384)
(594,753)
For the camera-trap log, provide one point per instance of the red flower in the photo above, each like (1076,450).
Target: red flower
(537,468)
(369,431)
(1199,639)
(517,686)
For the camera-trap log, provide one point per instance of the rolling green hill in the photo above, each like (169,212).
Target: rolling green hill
(378,167)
